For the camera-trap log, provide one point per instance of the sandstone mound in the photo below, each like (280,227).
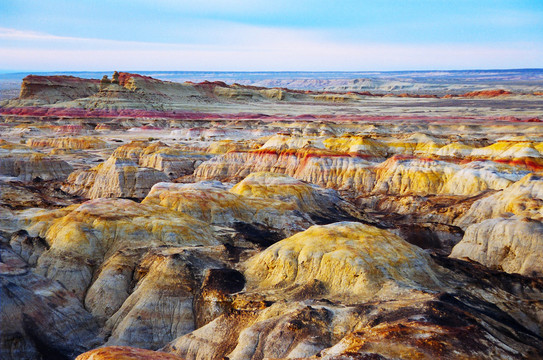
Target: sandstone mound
(113,178)
(526,154)
(81,237)
(416,144)
(28,166)
(360,145)
(322,205)
(125,353)
(513,245)
(454,150)
(213,203)
(348,259)
(524,198)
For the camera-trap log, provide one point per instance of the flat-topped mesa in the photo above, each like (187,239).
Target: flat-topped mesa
(68,142)
(113,178)
(42,90)
(482,94)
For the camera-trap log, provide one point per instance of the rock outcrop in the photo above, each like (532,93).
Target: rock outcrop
(125,353)
(86,142)
(268,220)
(39,317)
(30,166)
(524,198)
(513,245)
(160,308)
(352,290)
(113,178)
(298,224)
(82,237)
(344,260)
(174,162)
(43,90)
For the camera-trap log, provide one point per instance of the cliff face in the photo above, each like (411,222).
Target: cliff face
(42,90)
(398,175)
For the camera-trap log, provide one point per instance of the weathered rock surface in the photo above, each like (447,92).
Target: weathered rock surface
(28,166)
(269,219)
(398,175)
(322,205)
(40,319)
(514,245)
(81,237)
(523,198)
(263,269)
(346,260)
(113,178)
(125,353)
(174,162)
(42,90)
(351,290)
(160,308)
(69,142)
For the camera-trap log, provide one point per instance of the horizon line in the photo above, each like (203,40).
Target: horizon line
(14,72)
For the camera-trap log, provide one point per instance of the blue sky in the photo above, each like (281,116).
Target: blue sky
(237,35)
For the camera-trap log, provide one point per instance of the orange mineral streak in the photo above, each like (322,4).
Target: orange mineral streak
(125,353)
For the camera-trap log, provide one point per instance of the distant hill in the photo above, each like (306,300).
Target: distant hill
(395,82)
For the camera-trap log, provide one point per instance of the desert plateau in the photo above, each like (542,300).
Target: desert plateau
(151,219)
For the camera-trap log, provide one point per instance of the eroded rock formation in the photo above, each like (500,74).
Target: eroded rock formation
(274,223)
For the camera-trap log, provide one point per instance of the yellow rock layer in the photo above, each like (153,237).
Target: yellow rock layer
(86,142)
(351,260)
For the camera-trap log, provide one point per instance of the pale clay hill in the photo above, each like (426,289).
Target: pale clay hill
(142,219)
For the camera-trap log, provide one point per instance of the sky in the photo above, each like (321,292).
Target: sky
(270,35)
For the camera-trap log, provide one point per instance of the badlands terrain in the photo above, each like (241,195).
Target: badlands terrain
(148,219)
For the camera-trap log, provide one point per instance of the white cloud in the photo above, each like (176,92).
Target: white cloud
(243,47)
